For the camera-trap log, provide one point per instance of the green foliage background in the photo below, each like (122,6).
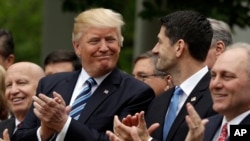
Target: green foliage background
(24,20)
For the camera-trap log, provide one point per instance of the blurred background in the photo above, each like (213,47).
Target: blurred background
(42,26)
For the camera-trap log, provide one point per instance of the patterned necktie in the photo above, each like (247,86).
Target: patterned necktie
(170,116)
(81,99)
(223,134)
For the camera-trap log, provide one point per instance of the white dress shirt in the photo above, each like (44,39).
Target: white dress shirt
(78,88)
(189,84)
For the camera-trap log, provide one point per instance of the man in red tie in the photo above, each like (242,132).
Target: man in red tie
(230,93)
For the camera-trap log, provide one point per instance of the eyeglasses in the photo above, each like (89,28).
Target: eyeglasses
(142,77)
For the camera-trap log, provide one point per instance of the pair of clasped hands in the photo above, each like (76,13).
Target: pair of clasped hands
(52,112)
(134,128)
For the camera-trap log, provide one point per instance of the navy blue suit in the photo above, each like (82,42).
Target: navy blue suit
(126,95)
(202,104)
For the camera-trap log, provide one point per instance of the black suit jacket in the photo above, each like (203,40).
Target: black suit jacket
(214,124)
(9,124)
(159,106)
(126,95)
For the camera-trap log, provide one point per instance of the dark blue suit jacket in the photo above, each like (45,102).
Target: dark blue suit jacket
(9,124)
(202,104)
(126,95)
(215,123)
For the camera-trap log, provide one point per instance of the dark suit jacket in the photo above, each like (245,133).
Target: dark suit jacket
(126,95)
(8,123)
(214,124)
(159,106)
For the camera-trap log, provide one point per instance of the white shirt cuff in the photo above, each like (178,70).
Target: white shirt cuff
(38,134)
(39,137)
(62,134)
(150,139)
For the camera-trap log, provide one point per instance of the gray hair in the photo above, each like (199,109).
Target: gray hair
(221,31)
(244,46)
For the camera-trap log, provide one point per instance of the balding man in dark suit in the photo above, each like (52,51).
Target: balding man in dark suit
(229,88)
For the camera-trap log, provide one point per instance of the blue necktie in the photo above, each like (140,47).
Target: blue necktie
(81,99)
(170,116)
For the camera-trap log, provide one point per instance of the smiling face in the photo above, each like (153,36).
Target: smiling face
(230,83)
(21,83)
(98,49)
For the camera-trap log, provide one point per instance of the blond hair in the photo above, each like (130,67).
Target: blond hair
(100,18)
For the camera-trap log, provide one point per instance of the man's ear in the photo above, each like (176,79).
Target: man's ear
(219,47)
(76,46)
(169,82)
(180,47)
(9,60)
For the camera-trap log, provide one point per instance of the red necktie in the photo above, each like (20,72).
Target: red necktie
(223,134)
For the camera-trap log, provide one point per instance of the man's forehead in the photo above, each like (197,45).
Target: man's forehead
(231,58)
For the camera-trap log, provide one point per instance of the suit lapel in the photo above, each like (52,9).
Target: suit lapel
(104,90)
(67,86)
(195,96)
(11,125)
(246,120)
(212,127)
(160,103)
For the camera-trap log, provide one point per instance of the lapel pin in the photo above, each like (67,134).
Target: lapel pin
(193,99)
(106,91)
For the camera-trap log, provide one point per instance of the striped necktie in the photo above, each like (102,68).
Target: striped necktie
(81,100)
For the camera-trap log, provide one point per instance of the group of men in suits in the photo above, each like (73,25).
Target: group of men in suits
(229,86)
(183,44)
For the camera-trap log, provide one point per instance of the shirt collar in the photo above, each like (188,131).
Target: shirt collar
(189,84)
(84,76)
